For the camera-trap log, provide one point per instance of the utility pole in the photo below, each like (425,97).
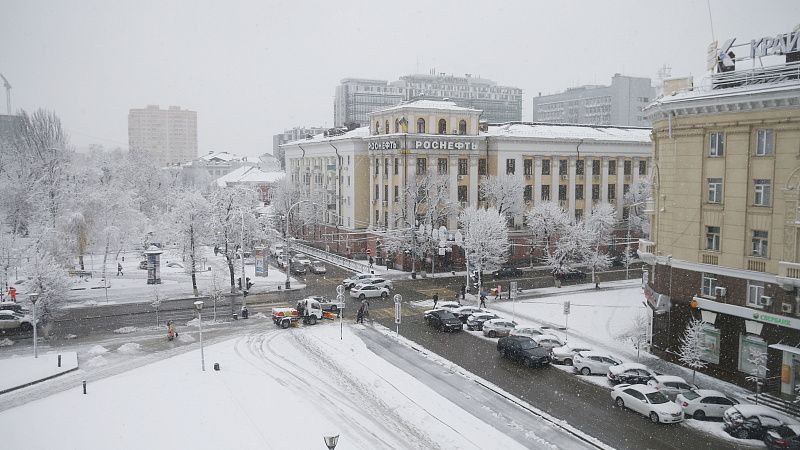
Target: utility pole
(244,278)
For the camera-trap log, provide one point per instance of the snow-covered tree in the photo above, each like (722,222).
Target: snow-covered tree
(229,206)
(757,357)
(504,193)
(46,277)
(635,201)
(636,333)
(485,236)
(189,227)
(216,294)
(598,227)
(546,221)
(693,345)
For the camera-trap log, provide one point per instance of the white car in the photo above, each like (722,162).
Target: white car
(526,331)
(670,385)
(548,341)
(350,282)
(593,363)
(11,321)
(566,353)
(379,282)
(498,327)
(465,311)
(648,402)
(702,403)
(302,259)
(450,306)
(629,373)
(369,291)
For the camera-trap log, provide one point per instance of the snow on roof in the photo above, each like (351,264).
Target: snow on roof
(249,174)
(441,105)
(701,93)
(223,156)
(357,133)
(552,131)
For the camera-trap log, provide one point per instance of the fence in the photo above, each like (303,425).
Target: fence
(340,261)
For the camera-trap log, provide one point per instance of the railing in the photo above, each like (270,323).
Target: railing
(340,261)
(789,269)
(757,265)
(764,75)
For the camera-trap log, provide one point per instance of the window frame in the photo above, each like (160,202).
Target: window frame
(713,238)
(708,284)
(714,191)
(546,167)
(511,166)
(762,192)
(760,244)
(421,126)
(716,144)
(765,136)
(755,290)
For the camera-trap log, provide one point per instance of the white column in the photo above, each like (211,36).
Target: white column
(635,170)
(451,222)
(554,178)
(472,197)
(371,186)
(604,179)
(410,178)
(537,181)
(571,186)
(620,182)
(390,200)
(381,170)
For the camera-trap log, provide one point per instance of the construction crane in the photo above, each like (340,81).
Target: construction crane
(7,85)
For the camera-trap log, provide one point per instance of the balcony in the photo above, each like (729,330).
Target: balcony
(788,274)
(646,251)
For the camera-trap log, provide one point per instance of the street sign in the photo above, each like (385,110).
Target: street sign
(397,312)
(645,277)
(566,308)
(397,298)
(340,289)
(513,289)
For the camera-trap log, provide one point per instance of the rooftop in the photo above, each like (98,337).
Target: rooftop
(438,105)
(249,174)
(569,132)
(357,133)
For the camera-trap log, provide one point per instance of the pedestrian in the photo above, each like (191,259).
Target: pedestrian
(497,292)
(371,261)
(597,281)
(12,294)
(366,312)
(2,295)
(360,314)
(435,299)
(172,331)
(119,269)
(483,300)
(463,291)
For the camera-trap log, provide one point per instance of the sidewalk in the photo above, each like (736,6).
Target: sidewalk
(20,372)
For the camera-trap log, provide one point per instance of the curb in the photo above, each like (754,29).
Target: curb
(31,383)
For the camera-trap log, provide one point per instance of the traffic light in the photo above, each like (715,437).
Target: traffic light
(249,284)
(239,281)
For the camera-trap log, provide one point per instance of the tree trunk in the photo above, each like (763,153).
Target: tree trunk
(192,258)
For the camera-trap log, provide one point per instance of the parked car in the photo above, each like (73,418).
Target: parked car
(548,341)
(317,268)
(566,353)
(475,321)
(507,272)
(301,259)
(752,421)
(521,330)
(497,327)
(13,307)
(351,281)
(702,403)
(449,305)
(463,312)
(648,402)
(629,373)
(378,282)
(523,349)
(443,320)
(369,291)
(593,363)
(568,275)
(11,321)
(298,269)
(276,249)
(783,437)
(670,385)
(143,265)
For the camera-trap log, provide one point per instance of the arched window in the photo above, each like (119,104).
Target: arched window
(462,127)
(377,127)
(386,130)
(442,126)
(396,126)
(420,125)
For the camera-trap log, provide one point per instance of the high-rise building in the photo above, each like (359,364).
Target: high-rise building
(619,104)
(291,135)
(168,136)
(724,246)
(356,98)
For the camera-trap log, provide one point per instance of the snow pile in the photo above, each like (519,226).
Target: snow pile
(125,330)
(260,315)
(6,342)
(97,361)
(97,350)
(129,348)
(185,338)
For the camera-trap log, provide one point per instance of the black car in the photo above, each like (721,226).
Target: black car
(783,437)
(507,272)
(752,421)
(443,320)
(568,275)
(475,321)
(525,349)
(298,269)
(14,307)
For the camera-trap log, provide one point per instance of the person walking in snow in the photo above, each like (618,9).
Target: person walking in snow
(12,294)
(119,270)
(172,331)
(360,314)
(483,300)
(435,299)
(463,291)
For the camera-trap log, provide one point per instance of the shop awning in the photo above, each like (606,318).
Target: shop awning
(786,348)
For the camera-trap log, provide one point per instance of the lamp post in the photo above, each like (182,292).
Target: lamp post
(198,305)
(33,297)
(331,441)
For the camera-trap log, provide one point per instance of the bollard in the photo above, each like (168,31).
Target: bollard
(216,366)
(59,360)
(235,316)
(84,387)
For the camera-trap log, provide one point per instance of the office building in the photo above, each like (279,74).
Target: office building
(167,136)
(293,134)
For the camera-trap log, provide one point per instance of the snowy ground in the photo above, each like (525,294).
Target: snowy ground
(278,389)
(21,370)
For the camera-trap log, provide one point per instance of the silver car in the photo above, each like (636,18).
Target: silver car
(11,321)
(593,363)
(497,327)
(566,353)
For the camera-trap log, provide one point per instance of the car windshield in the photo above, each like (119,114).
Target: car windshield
(656,398)
(527,345)
(690,395)
(446,315)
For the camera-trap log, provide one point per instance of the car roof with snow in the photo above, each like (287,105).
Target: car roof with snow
(470,309)
(708,393)
(590,353)
(484,314)
(643,388)
(542,337)
(498,320)
(760,410)
(628,366)
(669,378)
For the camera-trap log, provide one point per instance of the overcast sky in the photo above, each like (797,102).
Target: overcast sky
(254,69)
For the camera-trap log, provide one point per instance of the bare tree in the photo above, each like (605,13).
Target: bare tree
(156,303)
(189,218)
(636,333)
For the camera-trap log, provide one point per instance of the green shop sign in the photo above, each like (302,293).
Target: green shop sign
(772,319)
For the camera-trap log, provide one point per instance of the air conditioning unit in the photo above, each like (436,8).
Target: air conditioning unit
(765,301)
(787,308)
(720,291)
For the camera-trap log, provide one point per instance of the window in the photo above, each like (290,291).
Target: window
(442,166)
(760,243)
(595,192)
(420,125)
(578,192)
(752,349)
(377,192)
(716,144)
(626,167)
(545,167)
(709,285)
(546,192)
(386,166)
(612,191)
(510,166)
(396,166)
(612,167)
(482,170)
(377,127)
(348,180)
(527,194)
(377,220)
(442,126)
(397,194)
(755,289)
(642,167)
(528,166)
(385,193)
(625,188)
(715,190)
(377,166)
(562,192)
(463,167)
(422,166)
(396,126)
(763,190)
(765,142)
(712,238)
(595,167)
(562,166)
(578,214)
(579,167)
(462,127)
(462,194)
(386,130)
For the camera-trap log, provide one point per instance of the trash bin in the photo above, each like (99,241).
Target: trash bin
(245,313)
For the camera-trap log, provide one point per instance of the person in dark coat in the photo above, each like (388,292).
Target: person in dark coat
(119,269)
(360,314)
(483,300)
(463,291)
(435,299)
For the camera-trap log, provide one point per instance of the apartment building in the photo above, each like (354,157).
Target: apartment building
(168,136)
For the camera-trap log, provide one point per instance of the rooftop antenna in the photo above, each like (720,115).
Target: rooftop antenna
(7,85)
(711,21)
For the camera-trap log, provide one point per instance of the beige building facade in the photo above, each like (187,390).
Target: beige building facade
(168,136)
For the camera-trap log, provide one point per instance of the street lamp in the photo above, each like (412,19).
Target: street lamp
(198,305)
(33,297)
(331,441)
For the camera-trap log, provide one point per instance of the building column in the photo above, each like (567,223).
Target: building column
(409,183)
(390,200)
(571,161)
(587,186)
(537,181)
(452,222)
(472,196)
(620,182)
(635,170)
(604,179)
(371,190)
(380,205)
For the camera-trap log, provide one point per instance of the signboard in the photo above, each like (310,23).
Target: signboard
(261,262)
(442,144)
(340,289)
(658,302)
(382,145)
(566,308)
(398,313)
(778,45)
(513,289)
(748,313)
